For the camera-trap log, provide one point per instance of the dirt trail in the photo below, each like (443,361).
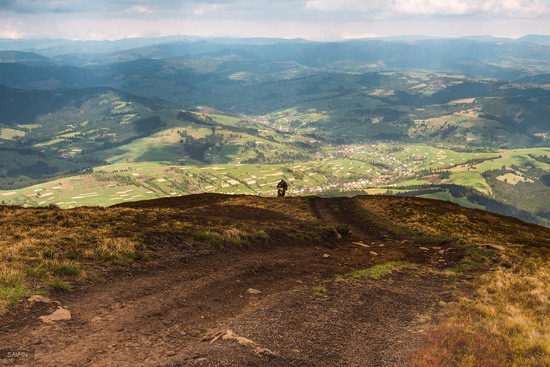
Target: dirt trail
(178,312)
(342,210)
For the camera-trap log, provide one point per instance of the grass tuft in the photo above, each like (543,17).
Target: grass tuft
(12,288)
(378,271)
(37,272)
(48,254)
(120,251)
(10,278)
(234,236)
(320,290)
(336,208)
(58,284)
(209,237)
(64,268)
(477,258)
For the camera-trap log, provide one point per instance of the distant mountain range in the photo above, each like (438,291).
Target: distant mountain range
(265,75)
(187,59)
(478,56)
(56,47)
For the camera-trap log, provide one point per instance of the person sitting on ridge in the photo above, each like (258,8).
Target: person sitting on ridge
(282,186)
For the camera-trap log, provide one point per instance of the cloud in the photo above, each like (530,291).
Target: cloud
(140,9)
(507,8)
(45,6)
(434,7)
(83,6)
(346,5)
(8,29)
(208,8)
(349,35)
(397,8)
(315,19)
(289,8)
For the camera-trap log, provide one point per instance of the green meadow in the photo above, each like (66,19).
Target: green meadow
(344,168)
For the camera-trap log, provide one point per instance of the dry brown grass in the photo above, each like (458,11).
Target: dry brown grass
(505,323)
(450,345)
(39,246)
(439,219)
(296,207)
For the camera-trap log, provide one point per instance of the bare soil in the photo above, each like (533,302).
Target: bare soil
(191,304)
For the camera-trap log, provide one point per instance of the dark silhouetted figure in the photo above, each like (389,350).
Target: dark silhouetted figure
(282,186)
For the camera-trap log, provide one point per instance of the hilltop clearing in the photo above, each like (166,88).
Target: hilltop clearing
(217,280)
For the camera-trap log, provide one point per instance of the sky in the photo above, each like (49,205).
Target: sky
(321,20)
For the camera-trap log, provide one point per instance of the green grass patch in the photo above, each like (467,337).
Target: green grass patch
(121,258)
(37,272)
(320,290)
(380,270)
(64,268)
(12,288)
(10,134)
(11,295)
(212,238)
(57,284)
(477,258)
(335,208)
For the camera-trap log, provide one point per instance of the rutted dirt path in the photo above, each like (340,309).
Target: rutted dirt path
(184,311)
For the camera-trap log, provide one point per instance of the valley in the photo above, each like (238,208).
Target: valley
(193,152)
(235,117)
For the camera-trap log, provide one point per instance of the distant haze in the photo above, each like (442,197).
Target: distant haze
(310,19)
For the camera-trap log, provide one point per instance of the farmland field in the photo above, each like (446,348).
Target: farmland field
(335,170)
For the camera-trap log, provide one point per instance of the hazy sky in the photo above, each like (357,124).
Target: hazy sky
(311,19)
